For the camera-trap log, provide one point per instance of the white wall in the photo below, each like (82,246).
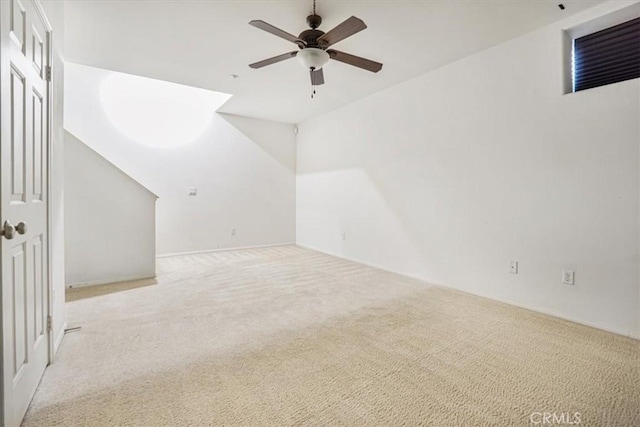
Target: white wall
(109,220)
(55,13)
(450,175)
(244,170)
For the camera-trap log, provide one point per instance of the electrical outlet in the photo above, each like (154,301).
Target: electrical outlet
(513,267)
(568,277)
(233,231)
(193,191)
(344,236)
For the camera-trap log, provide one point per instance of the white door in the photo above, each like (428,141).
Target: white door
(24,140)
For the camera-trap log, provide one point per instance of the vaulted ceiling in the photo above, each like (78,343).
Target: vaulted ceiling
(204,43)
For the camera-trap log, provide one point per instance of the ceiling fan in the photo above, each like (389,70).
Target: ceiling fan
(314,45)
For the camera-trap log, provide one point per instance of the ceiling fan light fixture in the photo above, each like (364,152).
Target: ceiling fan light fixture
(313,58)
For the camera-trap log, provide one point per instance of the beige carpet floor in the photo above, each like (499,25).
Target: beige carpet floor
(288,336)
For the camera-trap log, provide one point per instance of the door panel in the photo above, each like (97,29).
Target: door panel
(37,52)
(39,303)
(18,285)
(24,146)
(37,148)
(18,23)
(17,135)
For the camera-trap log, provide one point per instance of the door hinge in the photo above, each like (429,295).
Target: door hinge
(47,72)
(49,324)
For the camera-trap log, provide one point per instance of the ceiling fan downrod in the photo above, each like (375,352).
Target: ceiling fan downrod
(314,20)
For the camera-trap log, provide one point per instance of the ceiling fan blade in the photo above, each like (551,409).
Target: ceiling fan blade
(342,31)
(276,31)
(273,60)
(356,61)
(317,77)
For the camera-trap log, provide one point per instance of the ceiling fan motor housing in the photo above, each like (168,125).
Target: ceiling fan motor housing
(314,21)
(310,37)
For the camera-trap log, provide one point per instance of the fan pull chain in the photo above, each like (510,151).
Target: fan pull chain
(313,83)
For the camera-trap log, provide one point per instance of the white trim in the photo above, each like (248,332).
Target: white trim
(107,281)
(59,338)
(625,333)
(368,264)
(207,251)
(49,85)
(42,15)
(552,313)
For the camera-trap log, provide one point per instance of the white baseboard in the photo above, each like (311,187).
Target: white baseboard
(553,313)
(372,265)
(606,328)
(108,281)
(207,251)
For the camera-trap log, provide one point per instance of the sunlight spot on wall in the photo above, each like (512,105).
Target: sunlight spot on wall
(157,113)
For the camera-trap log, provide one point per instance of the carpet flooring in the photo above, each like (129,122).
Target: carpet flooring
(289,336)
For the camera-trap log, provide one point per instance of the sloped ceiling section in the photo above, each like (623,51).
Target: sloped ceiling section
(204,43)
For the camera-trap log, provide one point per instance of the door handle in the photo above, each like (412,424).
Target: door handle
(21,228)
(8,231)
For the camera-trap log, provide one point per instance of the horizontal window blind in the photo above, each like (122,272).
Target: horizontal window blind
(608,56)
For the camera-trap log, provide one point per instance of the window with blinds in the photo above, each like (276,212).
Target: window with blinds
(608,56)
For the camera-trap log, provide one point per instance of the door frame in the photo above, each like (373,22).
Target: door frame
(48,159)
(49,162)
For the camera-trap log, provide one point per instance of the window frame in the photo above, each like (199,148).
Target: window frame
(603,22)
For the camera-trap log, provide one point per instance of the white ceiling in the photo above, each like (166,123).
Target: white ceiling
(202,43)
